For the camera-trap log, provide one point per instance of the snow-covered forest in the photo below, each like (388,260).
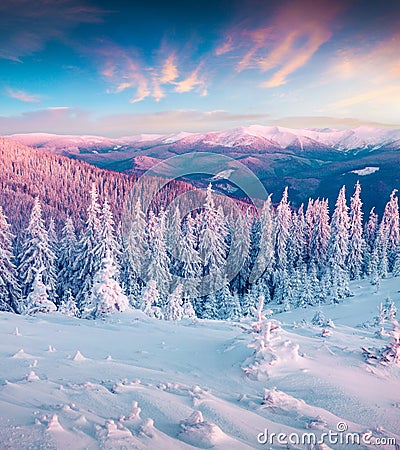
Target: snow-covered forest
(210,263)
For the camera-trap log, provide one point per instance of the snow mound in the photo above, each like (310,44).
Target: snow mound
(79,357)
(199,433)
(54,424)
(22,355)
(32,376)
(366,171)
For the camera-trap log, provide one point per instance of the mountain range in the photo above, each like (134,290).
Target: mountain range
(312,162)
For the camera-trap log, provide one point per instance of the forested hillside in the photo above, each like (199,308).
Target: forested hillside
(175,260)
(61,183)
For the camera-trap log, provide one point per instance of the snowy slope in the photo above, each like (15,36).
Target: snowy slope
(73,384)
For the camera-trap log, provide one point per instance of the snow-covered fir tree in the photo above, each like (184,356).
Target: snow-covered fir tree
(53,238)
(297,246)
(250,299)
(356,238)
(159,261)
(227,307)
(87,262)
(135,254)
(188,310)
(68,305)
(265,260)
(391,230)
(338,248)
(209,308)
(66,258)
(283,221)
(108,244)
(190,261)
(10,293)
(107,294)
(239,269)
(319,234)
(173,232)
(37,256)
(390,355)
(212,249)
(38,300)
(370,234)
(381,244)
(174,307)
(150,299)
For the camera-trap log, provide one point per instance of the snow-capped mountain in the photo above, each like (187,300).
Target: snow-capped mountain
(254,136)
(312,162)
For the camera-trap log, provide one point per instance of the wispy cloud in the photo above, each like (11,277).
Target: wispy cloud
(169,73)
(286,42)
(22,95)
(191,82)
(27,26)
(126,71)
(225,47)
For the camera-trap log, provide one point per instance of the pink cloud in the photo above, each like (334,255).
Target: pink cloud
(286,42)
(123,72)
(190,82)
(225,47)
(169,71)
(23,96)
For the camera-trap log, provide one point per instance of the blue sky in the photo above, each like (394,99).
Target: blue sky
(98,67)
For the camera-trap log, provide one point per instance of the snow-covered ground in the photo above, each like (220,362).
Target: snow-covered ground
(138,383)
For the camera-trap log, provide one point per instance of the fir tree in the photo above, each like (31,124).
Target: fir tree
(190,270)
(381,244)
(68,305)
(338,248)
(10,292)
(53,238)
(174,308)
(209,307)
(135,254)
(356,239)
(150,298)
(107,294)
(36,255)
(390,224)
(225,301)
(66,258)
(87,263)
(239,256)
(297,247)
(283,220)
(38,300)
(188,310)
(370,234)
(390,355)
(212,245)
(158,269)
(250,299)
(320,234)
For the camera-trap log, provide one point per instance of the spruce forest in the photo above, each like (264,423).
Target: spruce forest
(69,243)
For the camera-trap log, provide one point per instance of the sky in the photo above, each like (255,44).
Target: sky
(157,66)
